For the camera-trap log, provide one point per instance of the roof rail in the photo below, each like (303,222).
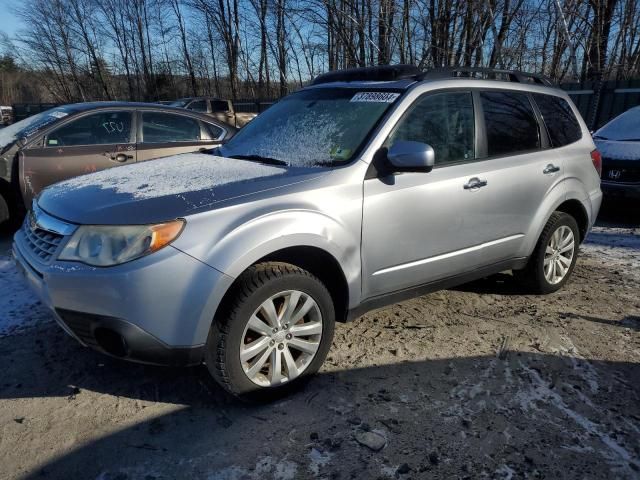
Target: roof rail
(489,74)
(382,73)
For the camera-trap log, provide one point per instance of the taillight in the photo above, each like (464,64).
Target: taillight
(596,158)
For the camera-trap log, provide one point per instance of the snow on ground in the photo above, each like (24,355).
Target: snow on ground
(619,246)
(19,307)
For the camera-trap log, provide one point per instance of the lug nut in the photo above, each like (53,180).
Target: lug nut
(280,346)
(275,330)
(286,326)
(288,337)
(272,343)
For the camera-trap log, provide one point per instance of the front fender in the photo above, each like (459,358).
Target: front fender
(237,247)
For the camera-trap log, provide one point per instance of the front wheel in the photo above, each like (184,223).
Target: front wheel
(275,331)
(554,257)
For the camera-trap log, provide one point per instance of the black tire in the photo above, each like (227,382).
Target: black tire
(532,277)
(250,290)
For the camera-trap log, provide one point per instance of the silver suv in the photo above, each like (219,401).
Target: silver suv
(367,187)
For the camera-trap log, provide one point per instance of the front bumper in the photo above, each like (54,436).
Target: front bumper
(618,189)
(157,309)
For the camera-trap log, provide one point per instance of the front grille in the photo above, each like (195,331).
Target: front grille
(624,171)
(42,243)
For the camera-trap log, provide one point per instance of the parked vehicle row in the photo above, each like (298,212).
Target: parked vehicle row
(71,140)
(368,187)
(221,110)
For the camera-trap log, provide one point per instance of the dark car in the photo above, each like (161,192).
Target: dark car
(619,143)
(71,140)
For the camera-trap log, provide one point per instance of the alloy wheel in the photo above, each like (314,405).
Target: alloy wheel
(559,254)
(281,338)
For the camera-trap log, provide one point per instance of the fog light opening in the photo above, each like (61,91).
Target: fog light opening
(111,342)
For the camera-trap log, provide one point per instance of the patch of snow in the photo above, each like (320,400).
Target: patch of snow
(618,150)
(538,391)
(167,176)
(318,460)
(625,126)
(19,307)
(505,472)
(617,246)
(266,467)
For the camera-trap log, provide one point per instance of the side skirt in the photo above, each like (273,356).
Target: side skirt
(381,301)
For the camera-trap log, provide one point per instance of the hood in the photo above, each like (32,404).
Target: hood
(618,149)
(160,190)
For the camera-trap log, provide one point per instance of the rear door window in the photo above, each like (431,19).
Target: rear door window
(510,123)
(562,126)
(159,127)
(444,121)
(102,128)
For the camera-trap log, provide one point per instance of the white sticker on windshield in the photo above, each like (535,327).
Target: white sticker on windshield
(377,97)
(58,114)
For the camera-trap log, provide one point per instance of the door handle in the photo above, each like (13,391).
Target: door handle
(551,168)
(121,157)
(475,183)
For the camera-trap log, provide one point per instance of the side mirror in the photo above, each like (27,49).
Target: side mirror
(406,156)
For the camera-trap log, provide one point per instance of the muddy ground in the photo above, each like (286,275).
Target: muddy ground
(476,382)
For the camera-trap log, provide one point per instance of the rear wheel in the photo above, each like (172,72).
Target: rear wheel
(274,332)
(554,257)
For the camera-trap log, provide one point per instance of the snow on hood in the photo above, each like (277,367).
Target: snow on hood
(158,190)
(167,176)
(625,126)
(618,150)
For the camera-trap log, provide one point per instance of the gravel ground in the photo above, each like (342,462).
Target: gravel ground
(475,382)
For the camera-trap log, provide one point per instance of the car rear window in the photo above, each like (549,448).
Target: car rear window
(510,123)
(562,126)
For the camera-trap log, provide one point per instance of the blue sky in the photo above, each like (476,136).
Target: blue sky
(9,23)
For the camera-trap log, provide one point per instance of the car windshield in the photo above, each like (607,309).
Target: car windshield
(624,127)
(180,103)
(322,126)
(32,125)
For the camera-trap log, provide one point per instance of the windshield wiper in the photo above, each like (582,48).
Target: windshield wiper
(261,159)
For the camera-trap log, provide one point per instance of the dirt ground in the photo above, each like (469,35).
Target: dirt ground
(475,382)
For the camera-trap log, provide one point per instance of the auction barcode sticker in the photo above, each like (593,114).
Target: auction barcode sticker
(377,97)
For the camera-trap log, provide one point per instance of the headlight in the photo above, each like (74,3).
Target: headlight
(104,246)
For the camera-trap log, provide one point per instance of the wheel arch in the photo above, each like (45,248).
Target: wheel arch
(576,209)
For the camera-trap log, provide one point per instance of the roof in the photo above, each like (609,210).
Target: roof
(403,76)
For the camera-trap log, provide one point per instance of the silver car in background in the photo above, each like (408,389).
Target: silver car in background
(366,188)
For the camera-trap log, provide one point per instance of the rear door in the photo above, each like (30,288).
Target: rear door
(162,134)
(522,170)
(85,144)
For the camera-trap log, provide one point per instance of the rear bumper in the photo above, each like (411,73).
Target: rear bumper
(157,309)
(626,190)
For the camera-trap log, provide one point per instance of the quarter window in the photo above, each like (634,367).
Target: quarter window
(510,123)
(165,127)
(219,106)
(97,129)
(562,126)
(444,121)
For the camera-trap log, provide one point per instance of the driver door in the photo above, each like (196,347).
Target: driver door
(420,227)
(87,144)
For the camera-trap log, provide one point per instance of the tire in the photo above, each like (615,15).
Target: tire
(230,337)
(534,277)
